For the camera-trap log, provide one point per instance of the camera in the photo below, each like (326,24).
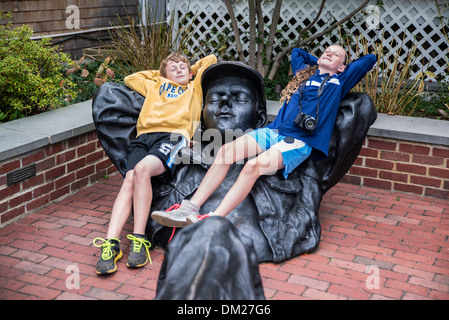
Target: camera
(305,122)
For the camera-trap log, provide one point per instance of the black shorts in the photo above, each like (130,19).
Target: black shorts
(163,145)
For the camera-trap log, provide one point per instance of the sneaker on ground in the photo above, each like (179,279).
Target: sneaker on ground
(110,254)
(139,251)
(176,215)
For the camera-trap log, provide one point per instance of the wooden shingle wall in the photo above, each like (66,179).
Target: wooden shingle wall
(56,17)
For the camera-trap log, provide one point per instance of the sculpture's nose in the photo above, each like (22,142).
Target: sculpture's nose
(224,103)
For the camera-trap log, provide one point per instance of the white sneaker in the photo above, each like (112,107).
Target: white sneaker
(176,215)
(195,218)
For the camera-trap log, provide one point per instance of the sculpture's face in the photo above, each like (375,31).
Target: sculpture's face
(230,103)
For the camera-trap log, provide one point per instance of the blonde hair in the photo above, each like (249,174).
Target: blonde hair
(293,86)
(175,57)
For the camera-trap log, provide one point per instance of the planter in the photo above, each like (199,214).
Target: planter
(46,157)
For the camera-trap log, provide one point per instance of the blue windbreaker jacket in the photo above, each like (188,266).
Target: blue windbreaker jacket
(335,88)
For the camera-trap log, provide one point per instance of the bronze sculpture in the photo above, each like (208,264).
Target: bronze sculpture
(280,216)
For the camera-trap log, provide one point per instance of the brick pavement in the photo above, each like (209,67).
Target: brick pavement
(375,244)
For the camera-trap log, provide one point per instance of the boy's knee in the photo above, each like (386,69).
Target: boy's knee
(129,180)
(251,168)
(148,169)
(142,171)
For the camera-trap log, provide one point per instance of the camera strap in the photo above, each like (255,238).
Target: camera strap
(320,91)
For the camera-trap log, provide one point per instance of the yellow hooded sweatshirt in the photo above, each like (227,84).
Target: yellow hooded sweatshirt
(168,106)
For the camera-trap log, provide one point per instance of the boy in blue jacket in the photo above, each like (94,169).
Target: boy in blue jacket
(302,129)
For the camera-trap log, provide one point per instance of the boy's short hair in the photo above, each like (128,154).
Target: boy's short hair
(175,57)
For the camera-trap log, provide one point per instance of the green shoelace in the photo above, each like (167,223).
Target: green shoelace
(137,244)
(106,248)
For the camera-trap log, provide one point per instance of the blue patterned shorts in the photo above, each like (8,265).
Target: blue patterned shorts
(293,151)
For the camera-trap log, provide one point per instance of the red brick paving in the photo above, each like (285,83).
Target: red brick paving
(402,238)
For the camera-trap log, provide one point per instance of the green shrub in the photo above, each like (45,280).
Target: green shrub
(88,75)
(32,76)
(82,73)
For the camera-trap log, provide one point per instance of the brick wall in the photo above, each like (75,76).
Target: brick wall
(61,169)
(403,166)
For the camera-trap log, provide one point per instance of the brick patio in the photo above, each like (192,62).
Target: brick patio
(403,237)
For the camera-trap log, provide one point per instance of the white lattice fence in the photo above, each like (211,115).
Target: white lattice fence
(418,19)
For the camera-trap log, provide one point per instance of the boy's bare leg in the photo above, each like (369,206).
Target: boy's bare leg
(148,167)
(136,188)
(267,162)
(110,248)
(228,154)
(243,147)
(122,207)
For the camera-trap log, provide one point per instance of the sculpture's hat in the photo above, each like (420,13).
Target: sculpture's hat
(236,69)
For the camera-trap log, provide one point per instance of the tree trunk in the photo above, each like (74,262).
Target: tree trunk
(235,27)
(252,33)
(260,37)
(273,28)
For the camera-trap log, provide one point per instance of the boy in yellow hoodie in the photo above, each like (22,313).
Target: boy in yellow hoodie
(167,121)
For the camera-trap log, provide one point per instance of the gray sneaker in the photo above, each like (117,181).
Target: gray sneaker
(139,253)
(195,218)
(176,216)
